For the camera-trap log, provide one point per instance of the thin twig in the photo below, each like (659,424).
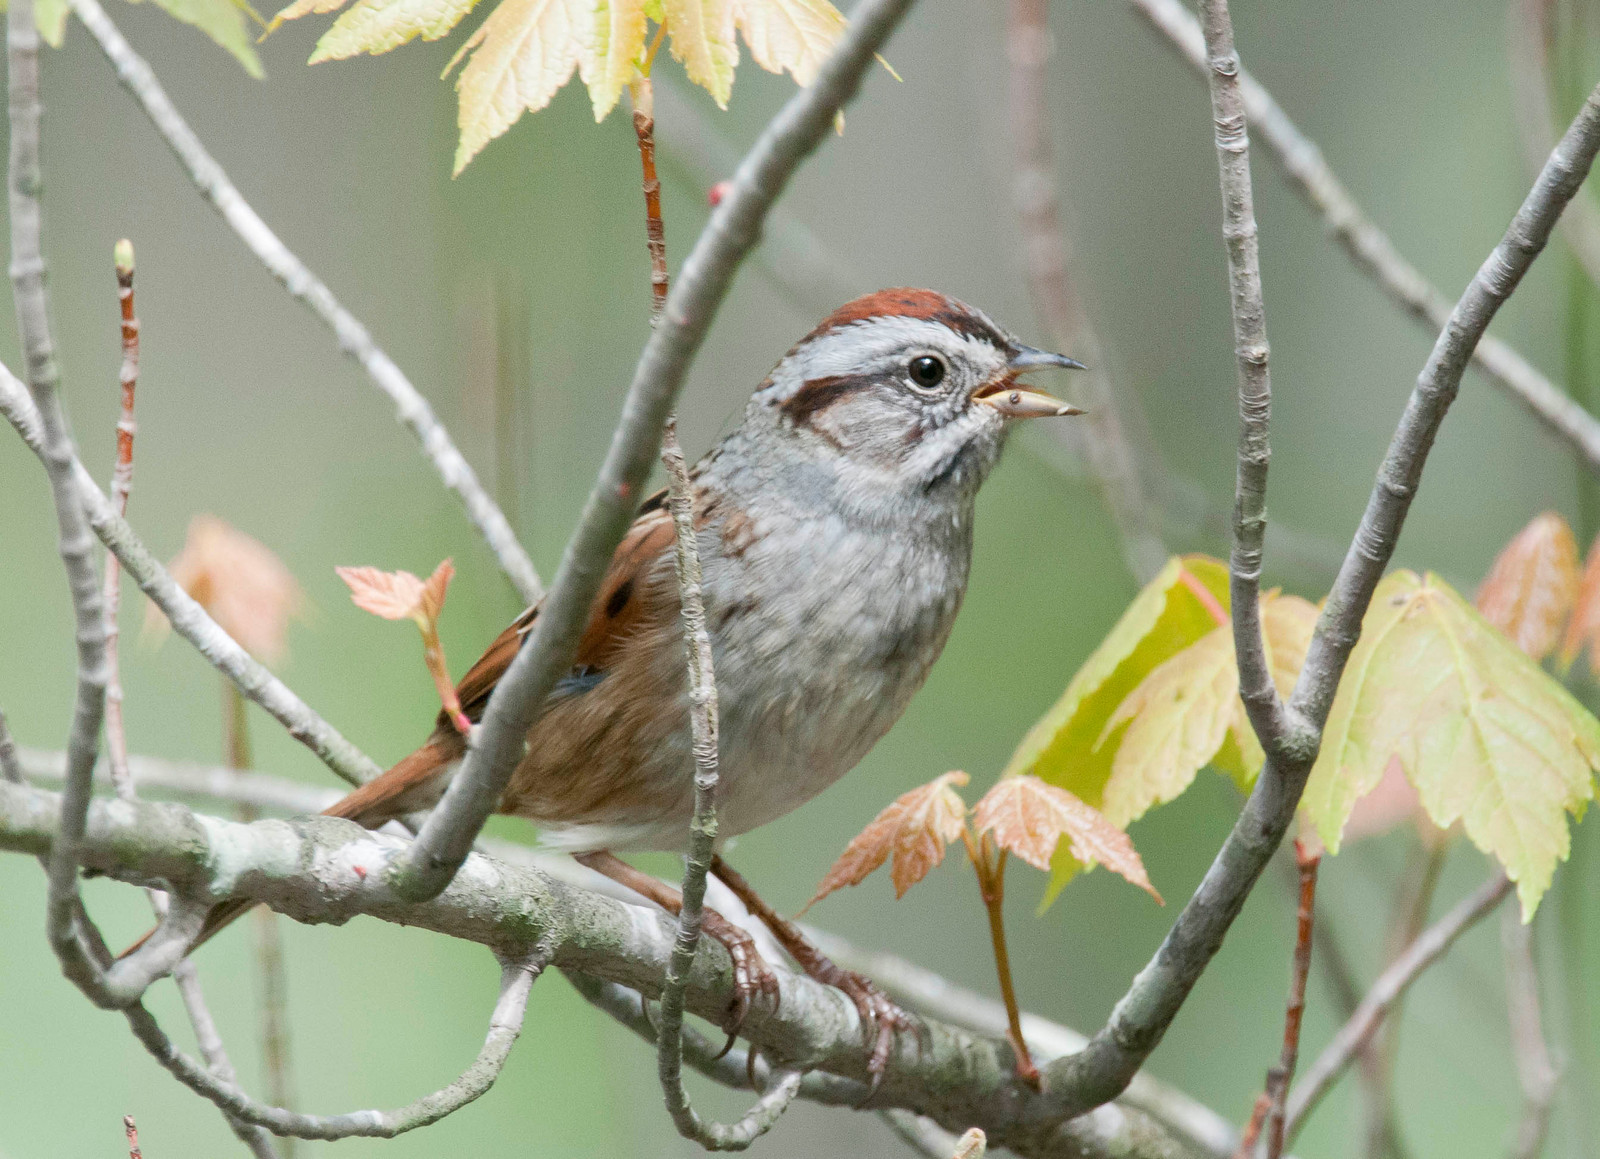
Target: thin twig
(1144,1013)
(1371,250)
(989,865)
(1294,1013)
(1428,948)
(1101,438)
(183,973)
(760,1118)
(704,280)
(121,489)
(644,130)
(1536,1071)
(1268,717)
(25,179)
(923,1136)
(354,339)
(188,618)
(271,975)
(505,1024)
(132,1132)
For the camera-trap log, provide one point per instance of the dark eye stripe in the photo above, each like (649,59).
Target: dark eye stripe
(818,394)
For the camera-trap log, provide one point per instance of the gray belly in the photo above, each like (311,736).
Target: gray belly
(807,690)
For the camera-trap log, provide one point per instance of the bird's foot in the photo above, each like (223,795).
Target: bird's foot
(753,978)
(881,1018)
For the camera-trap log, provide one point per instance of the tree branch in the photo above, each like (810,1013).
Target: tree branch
(188,618)
(702,283)
(322,869)
(759,1119)
(24,181)
(1428,948)
(1272,725)
(505,1024)
(411,408)
(1142,1015)
(1371,250)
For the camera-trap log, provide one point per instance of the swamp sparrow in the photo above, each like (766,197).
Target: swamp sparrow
(835,536)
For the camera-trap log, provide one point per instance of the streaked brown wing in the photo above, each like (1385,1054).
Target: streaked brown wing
(616,611)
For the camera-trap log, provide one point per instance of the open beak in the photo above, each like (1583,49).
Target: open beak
(1016,402)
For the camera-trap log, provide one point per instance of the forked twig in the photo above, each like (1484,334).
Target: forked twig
(1536,1070)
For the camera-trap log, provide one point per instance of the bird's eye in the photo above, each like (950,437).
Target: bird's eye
(926,371)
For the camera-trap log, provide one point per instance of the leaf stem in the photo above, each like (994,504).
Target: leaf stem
(990,865)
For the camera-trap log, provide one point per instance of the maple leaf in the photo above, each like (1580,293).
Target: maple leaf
(703,42)
(244,587)
(399,595)
(915,828)
(1583,627)
(522,54)
(1165,617)
(225,21)
(1029,817)
(1532,585)
(796,35)
(376,26)
(1483,733)
(1180,715)
(617,41)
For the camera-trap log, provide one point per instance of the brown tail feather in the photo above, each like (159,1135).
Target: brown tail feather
(412,784)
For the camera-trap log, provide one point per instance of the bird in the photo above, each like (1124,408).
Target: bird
(835,527)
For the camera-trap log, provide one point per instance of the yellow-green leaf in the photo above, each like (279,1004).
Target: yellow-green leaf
(376,26)
(1163,619)
(703,41)
(224,21)
(789,34)
(1176,720)
(50,17)
(523,53)
(304,8)
(1487,737)
(617,43)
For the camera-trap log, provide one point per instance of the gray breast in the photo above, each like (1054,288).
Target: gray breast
(815,671)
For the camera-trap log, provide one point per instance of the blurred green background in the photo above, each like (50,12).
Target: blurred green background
(525,282)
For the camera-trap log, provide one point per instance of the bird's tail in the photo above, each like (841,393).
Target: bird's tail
(417,782)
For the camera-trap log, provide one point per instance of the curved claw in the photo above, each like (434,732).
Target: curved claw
(880,1019)
(751,974)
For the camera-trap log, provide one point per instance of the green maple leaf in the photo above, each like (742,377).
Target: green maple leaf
(1187,714)
(1164,618)
(1483,733)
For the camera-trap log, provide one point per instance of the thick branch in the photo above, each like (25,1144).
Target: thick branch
(188,618)
(321,869)
(704,280)
(1371,250)
(1142,1016)
(411,408)
(1428,948)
